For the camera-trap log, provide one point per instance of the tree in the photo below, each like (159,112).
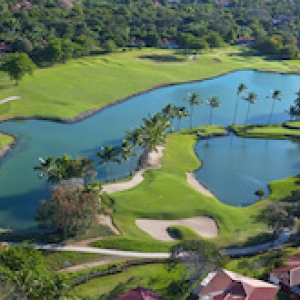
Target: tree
(213,102)
(109,46)
(260,193)
(214,39)
(295,109)
(23,271)
(251,99)
(17,65)
(277,217)
(198,258)
(292,112)
(65,168)
(193,99)
(181,113)
(127,152)
(70,210)
(151,134)
(241,89)
(106,155)
(171,111)
(276,96)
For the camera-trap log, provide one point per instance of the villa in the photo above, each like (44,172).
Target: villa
(226,285)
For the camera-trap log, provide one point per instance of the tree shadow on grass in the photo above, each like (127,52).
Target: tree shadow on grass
(162,58)
(261,238)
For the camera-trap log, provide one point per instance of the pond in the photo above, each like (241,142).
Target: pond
(20,189)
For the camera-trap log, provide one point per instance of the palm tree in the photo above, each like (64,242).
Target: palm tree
(276,96)
(213,102)
(251,99)
(126,152)
(152,133)
(193,99)
(241,89)
(292,112)
(170,111)
(106,155)
(181,113)
(46,166)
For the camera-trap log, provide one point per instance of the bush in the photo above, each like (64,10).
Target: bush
(182,233)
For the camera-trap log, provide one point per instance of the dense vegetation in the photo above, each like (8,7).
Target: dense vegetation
(50,33)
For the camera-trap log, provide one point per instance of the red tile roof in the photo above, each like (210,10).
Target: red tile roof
(140,293)
(289,275)
(229,285)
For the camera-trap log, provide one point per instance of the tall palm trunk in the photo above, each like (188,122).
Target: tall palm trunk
(271,112)
(235,110)
(191,116)
(248,111)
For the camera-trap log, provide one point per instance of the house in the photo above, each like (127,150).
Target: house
(227,285)
(244,41)
(140,293)
(168,44)
(288,277)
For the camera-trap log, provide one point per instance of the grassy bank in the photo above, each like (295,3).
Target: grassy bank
(5,139)
(68,89)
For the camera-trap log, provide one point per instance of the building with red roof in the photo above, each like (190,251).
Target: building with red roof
(227,285)
(288,277)
(140,293)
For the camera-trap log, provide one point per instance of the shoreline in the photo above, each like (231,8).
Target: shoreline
(90,112)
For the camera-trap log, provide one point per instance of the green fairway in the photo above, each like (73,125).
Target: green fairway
(5,139)
(66,90)
(290,130)
(165,194)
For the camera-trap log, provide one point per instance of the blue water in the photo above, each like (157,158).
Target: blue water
(20,189)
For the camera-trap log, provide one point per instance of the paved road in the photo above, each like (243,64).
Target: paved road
(56,247)
(284,236)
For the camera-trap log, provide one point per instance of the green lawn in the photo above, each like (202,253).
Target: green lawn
(5,139)
(66,90)
(165,194)
(291,129)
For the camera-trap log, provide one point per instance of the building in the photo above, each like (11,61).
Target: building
(288,277)
(227,285)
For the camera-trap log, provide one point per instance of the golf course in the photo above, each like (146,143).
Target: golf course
(79,88)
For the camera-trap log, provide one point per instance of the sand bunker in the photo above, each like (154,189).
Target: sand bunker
(204,226)
(153,161)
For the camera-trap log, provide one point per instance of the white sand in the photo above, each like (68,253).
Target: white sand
(203,226)
(153,161)
(190,178)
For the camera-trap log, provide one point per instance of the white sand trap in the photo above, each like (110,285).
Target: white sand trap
(190,178)
(204,226)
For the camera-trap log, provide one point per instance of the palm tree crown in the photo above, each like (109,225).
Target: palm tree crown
(193,99)
(276,96)
(213,102)
(240,90)
(251,99)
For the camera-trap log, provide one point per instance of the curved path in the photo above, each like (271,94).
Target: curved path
(280,241)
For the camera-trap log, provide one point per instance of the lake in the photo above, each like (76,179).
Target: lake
(20,189)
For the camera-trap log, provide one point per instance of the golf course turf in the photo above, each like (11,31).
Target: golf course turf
(104,80)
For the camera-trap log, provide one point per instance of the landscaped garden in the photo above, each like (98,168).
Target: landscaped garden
(165,193)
